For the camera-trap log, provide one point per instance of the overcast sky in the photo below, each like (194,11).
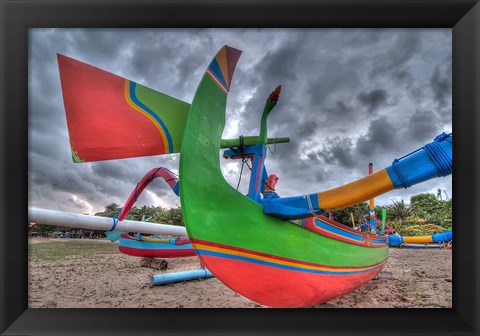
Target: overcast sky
(349,97)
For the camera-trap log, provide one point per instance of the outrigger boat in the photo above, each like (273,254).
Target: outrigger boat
(277,251)
(153,247)
(149,246)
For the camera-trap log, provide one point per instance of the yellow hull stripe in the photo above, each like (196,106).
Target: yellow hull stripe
(155,240)
(210,248)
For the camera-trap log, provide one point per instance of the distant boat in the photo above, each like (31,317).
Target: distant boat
(150,247)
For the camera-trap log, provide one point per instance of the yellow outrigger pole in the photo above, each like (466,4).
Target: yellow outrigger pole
(373,219)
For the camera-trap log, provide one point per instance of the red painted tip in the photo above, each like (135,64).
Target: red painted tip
(232,59)
(275,94)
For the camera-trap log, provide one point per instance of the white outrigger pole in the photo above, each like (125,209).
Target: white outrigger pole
(59,218)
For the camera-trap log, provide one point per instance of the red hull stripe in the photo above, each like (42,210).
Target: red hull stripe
(160,253)
(235,253)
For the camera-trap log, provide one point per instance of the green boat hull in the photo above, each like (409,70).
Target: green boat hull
(269,260)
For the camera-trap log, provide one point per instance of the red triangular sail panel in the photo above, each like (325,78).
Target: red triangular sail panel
(102,121)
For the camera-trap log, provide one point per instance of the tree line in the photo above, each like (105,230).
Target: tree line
(426,212)
(425,208)
(145,213)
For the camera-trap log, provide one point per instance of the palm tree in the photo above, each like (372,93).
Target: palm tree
(110,210)
(439,194)
(399,210)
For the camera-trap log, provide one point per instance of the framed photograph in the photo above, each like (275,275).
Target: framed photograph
(366,33)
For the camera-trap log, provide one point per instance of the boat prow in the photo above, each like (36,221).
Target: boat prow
(269,260)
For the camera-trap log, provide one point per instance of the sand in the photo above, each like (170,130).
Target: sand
(413,278)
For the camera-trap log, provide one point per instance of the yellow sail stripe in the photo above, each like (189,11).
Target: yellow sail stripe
(222,63)
(147,115)
(356,191)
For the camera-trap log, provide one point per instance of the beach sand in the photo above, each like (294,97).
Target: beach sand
(413,278)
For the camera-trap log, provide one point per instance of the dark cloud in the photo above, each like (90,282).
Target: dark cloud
(338,151)
(334,78)
(400,50)
(275,68)
(280,65)
(307,128)
(423,126)
(441,83)
(112,170)
(340,111)
(373,99)
(379,138)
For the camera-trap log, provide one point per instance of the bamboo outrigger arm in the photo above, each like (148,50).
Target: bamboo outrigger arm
(59,218)
(431,161)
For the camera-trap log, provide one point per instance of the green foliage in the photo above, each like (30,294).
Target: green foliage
(423,205)
(110,210)
(152,214)
(396,224)
(432,209)
(173,216)
(425,215)
(398,210)
(40,228)
(360,214)
(420,230)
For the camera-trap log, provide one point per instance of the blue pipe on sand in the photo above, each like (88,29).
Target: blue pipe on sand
(442,237)
(436,238)
(163,279)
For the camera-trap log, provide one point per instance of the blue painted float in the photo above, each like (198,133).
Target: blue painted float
(168,278)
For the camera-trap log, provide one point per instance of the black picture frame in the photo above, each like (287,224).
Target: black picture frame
(18,16)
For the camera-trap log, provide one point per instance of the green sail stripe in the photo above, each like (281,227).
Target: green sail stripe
(173,112)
